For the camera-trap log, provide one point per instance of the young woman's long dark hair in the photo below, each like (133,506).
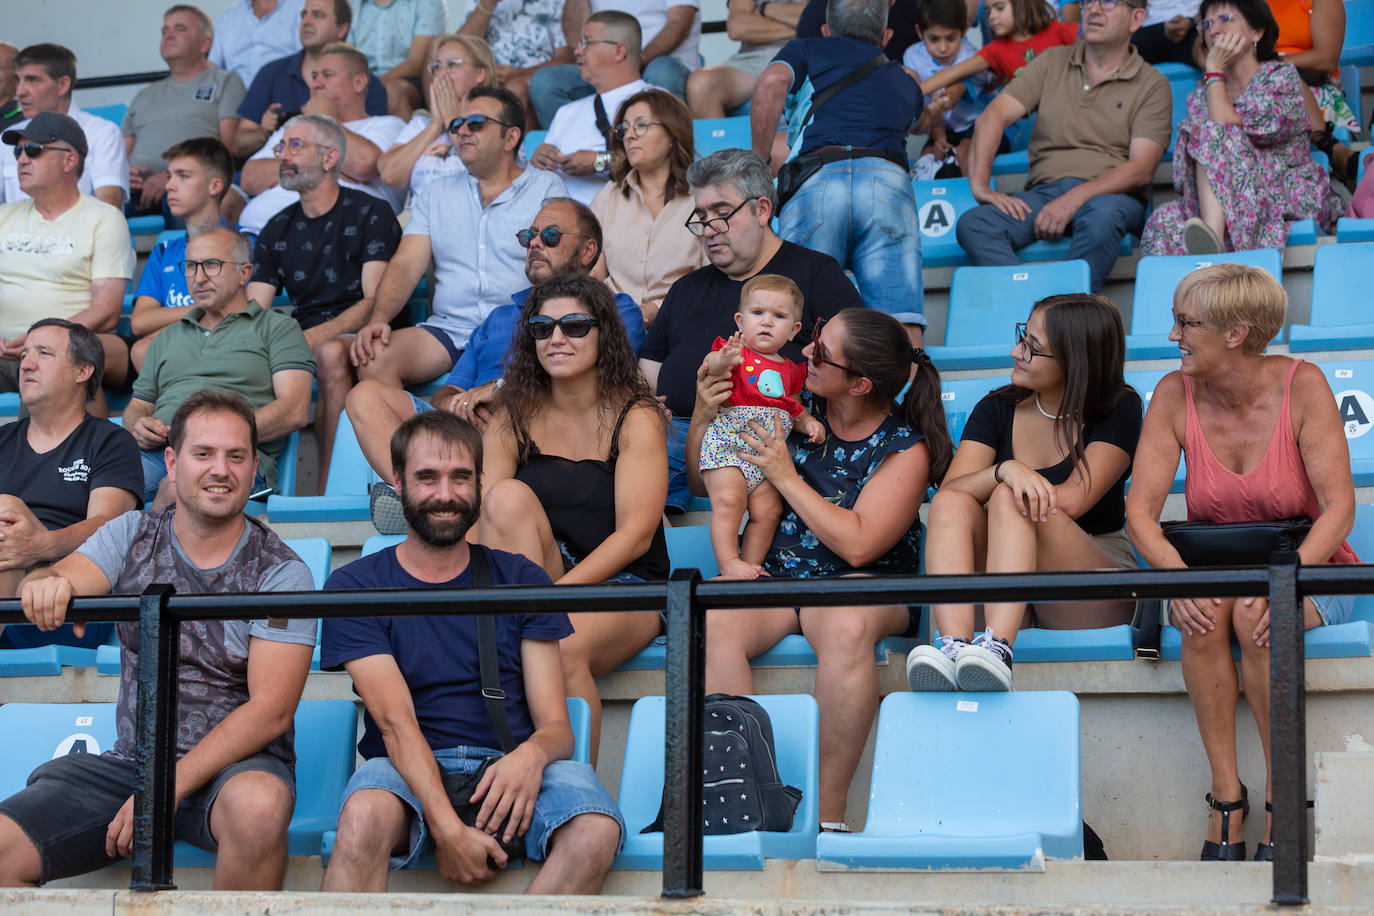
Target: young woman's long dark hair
(618,379)
(877,345)
(1088,341)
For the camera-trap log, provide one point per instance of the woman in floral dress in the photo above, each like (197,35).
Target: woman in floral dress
(851,509)
(1241,160)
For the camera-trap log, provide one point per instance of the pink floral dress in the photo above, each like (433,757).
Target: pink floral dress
(1262,171)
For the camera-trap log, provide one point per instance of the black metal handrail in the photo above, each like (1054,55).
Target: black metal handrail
(686,599)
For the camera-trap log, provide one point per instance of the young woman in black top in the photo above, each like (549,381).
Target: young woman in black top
(1038,482)
(576,468)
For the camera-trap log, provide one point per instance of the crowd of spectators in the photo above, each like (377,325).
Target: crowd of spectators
(596,306)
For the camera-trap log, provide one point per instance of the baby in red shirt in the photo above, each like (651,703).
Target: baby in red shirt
(763,391)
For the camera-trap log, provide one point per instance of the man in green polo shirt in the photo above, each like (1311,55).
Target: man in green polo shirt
(1102,126)
(229,343)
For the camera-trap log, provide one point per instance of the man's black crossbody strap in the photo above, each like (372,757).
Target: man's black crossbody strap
(492,694)
(833,89)
(603,123)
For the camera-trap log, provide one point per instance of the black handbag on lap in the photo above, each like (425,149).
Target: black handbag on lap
(1236,543)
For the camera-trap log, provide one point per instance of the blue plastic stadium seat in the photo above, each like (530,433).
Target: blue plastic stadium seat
(1354,229)
(9,404)
(796,722)
(1352,639)
(325,733)
(1016,162)
(690,546)
(986,302)
(345,490)
(1302,232)
(1358,49)
(947,794)
(113,113)
(961,395)
(1144,383)
(427,389)
(939,204)
(153,224)
(579,717)
(1342,284)
(711,135)
(533,140)
(1100,644)
(1353,385)
(286,464)
(1152,315)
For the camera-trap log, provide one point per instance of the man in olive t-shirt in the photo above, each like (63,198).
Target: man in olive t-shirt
(1104,121)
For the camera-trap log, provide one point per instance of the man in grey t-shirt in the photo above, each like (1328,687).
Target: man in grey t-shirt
(239,681)
(194,100)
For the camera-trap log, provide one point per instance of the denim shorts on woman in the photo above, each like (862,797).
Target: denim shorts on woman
(69,802)
(569,789)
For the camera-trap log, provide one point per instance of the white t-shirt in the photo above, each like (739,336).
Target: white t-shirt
(653,16)
(574,129)
(380,129)
(46,266)
(106,163)
(427,167)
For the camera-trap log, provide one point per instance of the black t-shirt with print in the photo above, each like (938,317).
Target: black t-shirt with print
(319,261)
(57,485)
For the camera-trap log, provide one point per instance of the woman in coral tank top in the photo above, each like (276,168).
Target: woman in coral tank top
(1263,440)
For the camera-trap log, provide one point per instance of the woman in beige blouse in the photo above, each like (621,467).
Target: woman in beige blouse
(643,209)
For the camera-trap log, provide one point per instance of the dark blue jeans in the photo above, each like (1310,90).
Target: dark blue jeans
(990,237)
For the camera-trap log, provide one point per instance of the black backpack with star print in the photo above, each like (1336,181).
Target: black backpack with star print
(740,788)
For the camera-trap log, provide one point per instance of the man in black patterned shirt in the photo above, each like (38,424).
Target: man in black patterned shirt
(327,251)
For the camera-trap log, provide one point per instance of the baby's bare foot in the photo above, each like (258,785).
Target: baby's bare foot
(738,569)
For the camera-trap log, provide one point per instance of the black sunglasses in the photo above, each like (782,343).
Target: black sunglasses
(34,150)
(577,324)
(549,235)
(475,123)
(818,357)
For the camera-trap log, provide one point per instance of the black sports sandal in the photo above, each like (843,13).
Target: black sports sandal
(1226,851)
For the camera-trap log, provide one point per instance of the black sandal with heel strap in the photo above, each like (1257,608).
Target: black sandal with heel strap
(1264,852)
(1226,851)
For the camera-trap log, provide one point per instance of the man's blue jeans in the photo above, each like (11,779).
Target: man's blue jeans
(862,212)
(990,237)
(553,87)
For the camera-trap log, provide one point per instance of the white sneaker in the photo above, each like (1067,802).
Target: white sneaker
(985,664)
(931,669)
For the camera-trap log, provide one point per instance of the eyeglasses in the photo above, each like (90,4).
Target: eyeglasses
(1219,19)
(34,150)
(1022,340)
(717,224)
(475,123)
(452,63)
(577,324)
(1184,324)
(818,357)
(294,145)
(550,236)
(584,41)
(211,267)
(638,128)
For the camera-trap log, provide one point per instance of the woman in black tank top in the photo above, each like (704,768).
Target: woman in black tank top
(575,470)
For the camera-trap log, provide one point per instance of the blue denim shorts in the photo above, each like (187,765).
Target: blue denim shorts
(1334,609)
(569,788)
(68,804)
(678,495)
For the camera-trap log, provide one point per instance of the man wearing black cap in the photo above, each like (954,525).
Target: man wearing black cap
(63,254)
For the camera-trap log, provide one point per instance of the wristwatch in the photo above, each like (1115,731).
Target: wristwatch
(601,163)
